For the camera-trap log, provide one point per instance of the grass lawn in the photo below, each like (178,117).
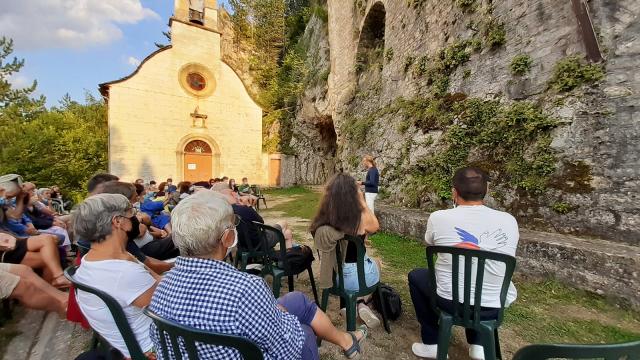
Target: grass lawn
(545,311)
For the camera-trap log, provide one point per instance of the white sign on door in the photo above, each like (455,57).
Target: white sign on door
(191,166)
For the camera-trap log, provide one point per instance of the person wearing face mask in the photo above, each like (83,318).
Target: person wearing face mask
(106,220)
(204,292)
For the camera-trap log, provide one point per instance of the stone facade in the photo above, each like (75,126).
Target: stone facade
(597,142)
(154,113)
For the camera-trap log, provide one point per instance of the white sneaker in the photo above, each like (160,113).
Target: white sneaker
(368,316)
(476,352)
(425,351)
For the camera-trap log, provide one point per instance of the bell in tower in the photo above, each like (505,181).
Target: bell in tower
(196,11)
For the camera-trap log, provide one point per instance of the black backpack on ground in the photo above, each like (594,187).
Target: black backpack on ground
(299,258)
(390,300)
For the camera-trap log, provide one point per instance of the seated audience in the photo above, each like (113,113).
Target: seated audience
(245,191)
(183,188)
(204,292)
(250,233)
(21,283)
(106,220)
(470,224)
(95,186)
(154,208)
(343,210)
(152,241)
(36,252)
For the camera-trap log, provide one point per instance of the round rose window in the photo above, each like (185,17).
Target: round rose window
(196,81)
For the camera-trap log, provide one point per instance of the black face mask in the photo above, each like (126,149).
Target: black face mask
(134,233)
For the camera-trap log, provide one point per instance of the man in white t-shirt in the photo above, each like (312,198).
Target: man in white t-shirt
(470,224)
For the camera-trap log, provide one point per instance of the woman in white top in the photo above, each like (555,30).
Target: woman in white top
(105,220)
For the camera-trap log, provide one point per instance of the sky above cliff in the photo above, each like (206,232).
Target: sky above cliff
(70,46)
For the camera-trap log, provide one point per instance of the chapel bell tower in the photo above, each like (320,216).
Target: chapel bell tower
(199,12)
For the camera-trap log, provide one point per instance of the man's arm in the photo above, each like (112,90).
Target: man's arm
(428,235)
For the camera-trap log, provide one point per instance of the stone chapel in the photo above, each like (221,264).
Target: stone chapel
(184,113)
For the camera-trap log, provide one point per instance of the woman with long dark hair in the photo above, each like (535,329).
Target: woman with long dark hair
(343,211)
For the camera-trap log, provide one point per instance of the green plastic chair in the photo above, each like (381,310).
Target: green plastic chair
(351,297)
(258,193)
(186,337)
(135,352)
(277,265)
(250,253)
(628,351)
(464,314)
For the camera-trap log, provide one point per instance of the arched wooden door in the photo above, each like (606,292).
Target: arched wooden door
(197,161)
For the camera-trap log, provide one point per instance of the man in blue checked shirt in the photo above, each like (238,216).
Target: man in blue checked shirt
(204,292)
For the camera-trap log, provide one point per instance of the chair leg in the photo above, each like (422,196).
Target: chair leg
(488,342)
(497,343)
(291,283)
(383,311)
(444,336)
(313,284)
(276,286)
(245,260)
(265,203)
(351,313)
(325,300)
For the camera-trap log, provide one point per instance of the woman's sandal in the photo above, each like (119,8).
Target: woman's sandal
(64,284)
(355,349)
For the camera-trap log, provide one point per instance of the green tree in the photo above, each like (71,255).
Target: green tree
(64,146)
(15,102)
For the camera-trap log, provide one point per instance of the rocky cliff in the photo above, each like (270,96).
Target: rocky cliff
(543,94)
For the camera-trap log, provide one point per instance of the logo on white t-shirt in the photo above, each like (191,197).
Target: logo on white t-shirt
(488,240)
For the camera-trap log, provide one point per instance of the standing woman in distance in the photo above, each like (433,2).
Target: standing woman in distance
(371,182)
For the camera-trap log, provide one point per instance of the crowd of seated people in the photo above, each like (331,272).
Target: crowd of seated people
(42,249)
(126,231)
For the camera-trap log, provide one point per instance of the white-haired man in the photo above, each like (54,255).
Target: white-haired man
(204,292)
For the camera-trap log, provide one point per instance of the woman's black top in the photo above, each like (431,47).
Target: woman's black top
(352,250)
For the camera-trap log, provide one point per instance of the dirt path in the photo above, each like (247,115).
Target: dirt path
(379,344)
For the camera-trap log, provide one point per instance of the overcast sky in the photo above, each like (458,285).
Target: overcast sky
(71,46)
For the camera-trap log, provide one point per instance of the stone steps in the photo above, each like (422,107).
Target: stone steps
(44,336)
(608,268)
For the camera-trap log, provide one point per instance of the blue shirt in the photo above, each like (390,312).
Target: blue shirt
(214,296)
(372,180)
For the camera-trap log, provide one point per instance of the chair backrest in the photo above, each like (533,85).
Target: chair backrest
(281,255)
(187,337)
(463,312)
(360,252)
(135,352)
(627,351)
(256,190)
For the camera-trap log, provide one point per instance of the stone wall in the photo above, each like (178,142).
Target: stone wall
(597,175)
(607,268)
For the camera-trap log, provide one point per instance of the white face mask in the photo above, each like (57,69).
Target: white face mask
(235,242)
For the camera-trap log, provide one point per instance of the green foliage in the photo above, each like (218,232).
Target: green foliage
(321,13)
(495,34)
(422,66)
(16,102)
(388,54)
(466,5)
(416,4)
(64,146)
(562,207)
(574,71)
(466,74)
(521,64)
(408,61)
(512,141)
